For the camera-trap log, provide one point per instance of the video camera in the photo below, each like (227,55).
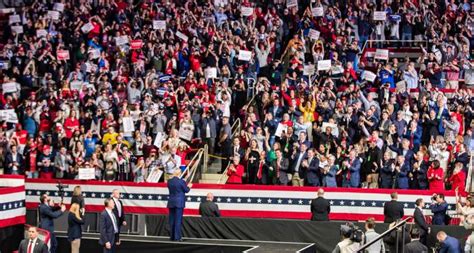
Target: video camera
(351,231)
(61,191)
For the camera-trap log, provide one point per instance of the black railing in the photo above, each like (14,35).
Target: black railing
(401,223)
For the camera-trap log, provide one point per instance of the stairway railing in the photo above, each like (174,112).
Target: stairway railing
(224,176)
(193,164)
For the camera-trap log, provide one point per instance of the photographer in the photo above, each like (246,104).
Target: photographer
(48,213)
(351,238)
(439,207)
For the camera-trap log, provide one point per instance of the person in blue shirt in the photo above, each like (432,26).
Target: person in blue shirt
(386,75)
(89,144)
(448,244)
(439,208)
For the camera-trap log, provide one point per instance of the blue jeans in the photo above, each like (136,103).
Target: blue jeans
(406,36)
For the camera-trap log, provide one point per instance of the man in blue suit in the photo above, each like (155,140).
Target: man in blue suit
(448,244)
(176,202)
(313,173)
(353,167)
(402,169)
(47,216)
(109,227)
(439,209)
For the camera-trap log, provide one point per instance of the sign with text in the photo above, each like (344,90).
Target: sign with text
(159,24)
(14,19)
(86,173)
(128,125)
(381,54)
(318,11)
(58,7)
(17,28)
(9,87)
(210,73)
(245,55)
(87,27)
(291,3)
(41,33)
(380,15)
(313,34)
(136,44)
(324,65)
(182,36)
(246,11)
(9,116)
(54,15)
(369,76)
(121,40)
(63,55)
(308,70)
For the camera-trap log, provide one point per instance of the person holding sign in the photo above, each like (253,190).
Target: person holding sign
(176,203)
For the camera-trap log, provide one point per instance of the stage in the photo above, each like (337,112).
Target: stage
(150,244)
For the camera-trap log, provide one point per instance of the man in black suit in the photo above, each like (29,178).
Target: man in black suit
(420,221)
(237,150)
(13,162)
(320,207)
(32,244)
(415,246)
(109,227)
(208,208)
(118,212)
(393,210)
(47,216)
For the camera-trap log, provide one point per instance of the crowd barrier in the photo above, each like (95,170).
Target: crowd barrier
(237,200)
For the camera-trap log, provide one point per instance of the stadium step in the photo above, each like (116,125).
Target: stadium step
(211,176)
(208,181)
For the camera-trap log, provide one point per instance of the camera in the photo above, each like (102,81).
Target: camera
(61,188)
(351,231)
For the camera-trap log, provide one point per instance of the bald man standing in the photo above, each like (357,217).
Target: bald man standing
(320,207)
(208,208)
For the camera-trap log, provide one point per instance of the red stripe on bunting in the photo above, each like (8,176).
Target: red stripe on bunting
(12,190)
(12,176)
(12,221)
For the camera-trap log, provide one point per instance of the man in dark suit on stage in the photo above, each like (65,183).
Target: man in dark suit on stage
(33,244)
(208,208)
(177,189)
(109,227)
(118,212)
(393,210)
(320,207)
(47,216)
(415,246)
(420,221)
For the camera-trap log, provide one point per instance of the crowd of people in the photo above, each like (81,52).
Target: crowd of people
(128,87)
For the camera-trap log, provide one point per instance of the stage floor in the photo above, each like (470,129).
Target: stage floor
(132,243)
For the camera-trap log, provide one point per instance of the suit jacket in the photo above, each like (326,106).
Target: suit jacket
(402,176)
(392,210)
(116,212)
(313,173)
(294,162)
(420,222)
(320,209)
(415,247)
(450,245)
(212,126)
(47,216)
(9,159)
(355,173)
(240,151)
(284,170)
(74,230)
(177,189)
(40,246)
(106,228)
(209,209)
(439,213)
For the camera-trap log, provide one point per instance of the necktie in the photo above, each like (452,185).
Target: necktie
(30,247)
(119,207)
(278,168)
(114,221)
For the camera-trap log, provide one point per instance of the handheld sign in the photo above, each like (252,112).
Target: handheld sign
(380,15)
(159,24)
(318,11)
(245,55)
(381,54)
(246,11)
(324,65)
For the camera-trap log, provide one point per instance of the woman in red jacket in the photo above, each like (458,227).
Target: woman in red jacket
(235,171)
(458,180)
(436,176)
